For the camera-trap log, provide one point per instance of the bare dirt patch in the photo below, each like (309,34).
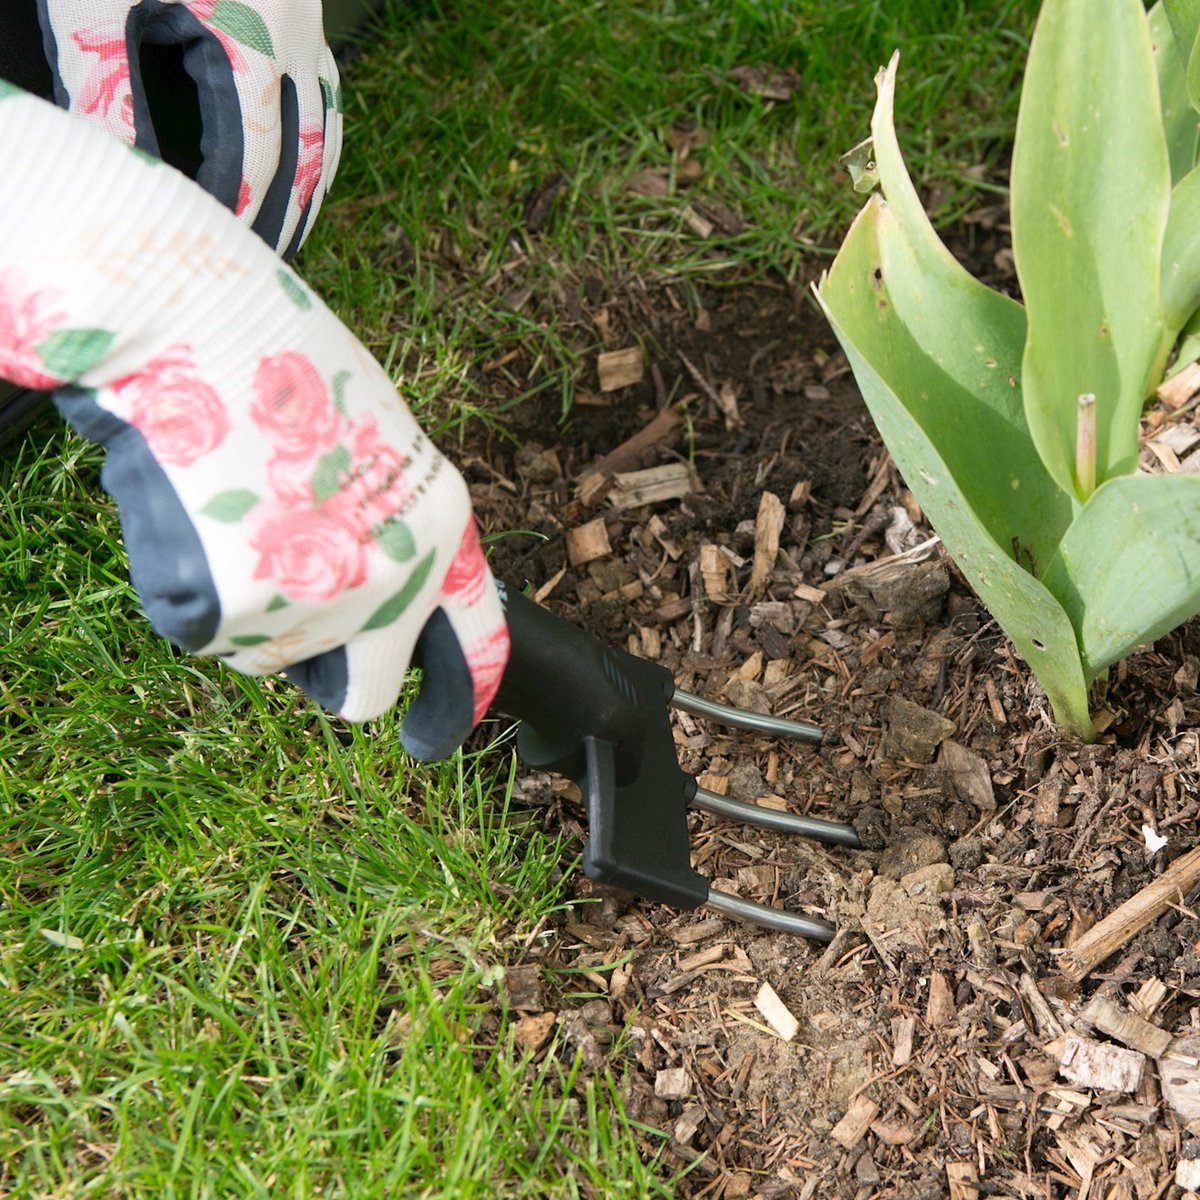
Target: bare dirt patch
(931,1031)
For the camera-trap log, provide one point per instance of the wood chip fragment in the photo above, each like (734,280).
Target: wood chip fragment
(1129,919)
(768,525)
(1181,387)
(588,542)
(1179,1072)
(530,1033)
(849,1131)
(701,226)
(968,775)
(673,1084)
(903,1029)
(1126,1027)
(940,1009)
(671,481)
(962,1178)
(1101,1066)
(776,1013)
(714,570)
(620,368)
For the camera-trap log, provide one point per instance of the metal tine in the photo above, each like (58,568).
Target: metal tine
(767,917)
(740,718)
(832,833)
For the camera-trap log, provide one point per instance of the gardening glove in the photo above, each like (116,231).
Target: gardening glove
(280,506)
(243,98)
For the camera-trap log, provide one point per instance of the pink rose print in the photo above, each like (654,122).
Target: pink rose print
(466,577)
(26,319)
(375,487)
(243,200)
(180,416)
(309,164)
(105,93)
(486,660)
(309,554)
(291,406)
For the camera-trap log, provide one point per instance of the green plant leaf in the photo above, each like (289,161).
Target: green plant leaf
(1178,116)
(1128,570)
(1090,196)
(900,380)
(242,24)
(1184,17)
(395,539)
(1181,257)
(391,610)
(976,336)
(231,506)
(69,353)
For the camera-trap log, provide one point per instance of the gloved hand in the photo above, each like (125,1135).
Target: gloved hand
(242,97)
(280,506)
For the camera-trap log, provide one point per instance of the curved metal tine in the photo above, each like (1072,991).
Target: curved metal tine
(764,916)
(832,833)
(740,718)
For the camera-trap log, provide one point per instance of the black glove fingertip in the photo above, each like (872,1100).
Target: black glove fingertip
(443,713)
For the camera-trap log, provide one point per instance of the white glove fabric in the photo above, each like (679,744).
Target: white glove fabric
(242,97)
(281,508)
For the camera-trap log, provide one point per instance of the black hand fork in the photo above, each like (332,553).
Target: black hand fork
(599,716)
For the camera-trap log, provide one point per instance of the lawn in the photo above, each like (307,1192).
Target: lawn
(250,951)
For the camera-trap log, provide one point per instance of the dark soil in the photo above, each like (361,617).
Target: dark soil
(940,1001)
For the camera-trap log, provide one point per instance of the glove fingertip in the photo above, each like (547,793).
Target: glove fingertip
(443,714)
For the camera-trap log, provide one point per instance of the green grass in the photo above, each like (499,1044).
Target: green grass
(247,951)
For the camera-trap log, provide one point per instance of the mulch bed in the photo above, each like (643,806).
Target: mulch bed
(930,1036)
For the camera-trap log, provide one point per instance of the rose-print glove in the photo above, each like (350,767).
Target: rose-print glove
(280,506)
(242,97)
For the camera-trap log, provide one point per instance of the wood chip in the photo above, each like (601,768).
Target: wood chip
(849,1131)
(968,775)
(1101,1066)
(1181,387)
(1179,1072)
(530,1033)
(661,431)
(588,542)
(768,525)
(776,1013)
(1126,1028)
(940,1009)
(903,1029)
(1130,918)
(962,1178)
(620,368)
(671,481)
(673,1084)
(1148,997)
(714,570)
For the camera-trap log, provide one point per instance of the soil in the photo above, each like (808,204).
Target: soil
(936,1017)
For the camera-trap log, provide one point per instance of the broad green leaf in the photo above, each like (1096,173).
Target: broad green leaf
(242,24)
(1178,116)
(1181,257)
(1128,570)
(976,336)
(893,370)
(391,610)
(69,353)
(1184,16)
(1090,195)
(231,506)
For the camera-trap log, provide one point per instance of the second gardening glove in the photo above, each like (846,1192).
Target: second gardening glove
(244,98)
(280,506)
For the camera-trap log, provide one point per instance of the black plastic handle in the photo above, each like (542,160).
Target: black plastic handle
(599,716)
